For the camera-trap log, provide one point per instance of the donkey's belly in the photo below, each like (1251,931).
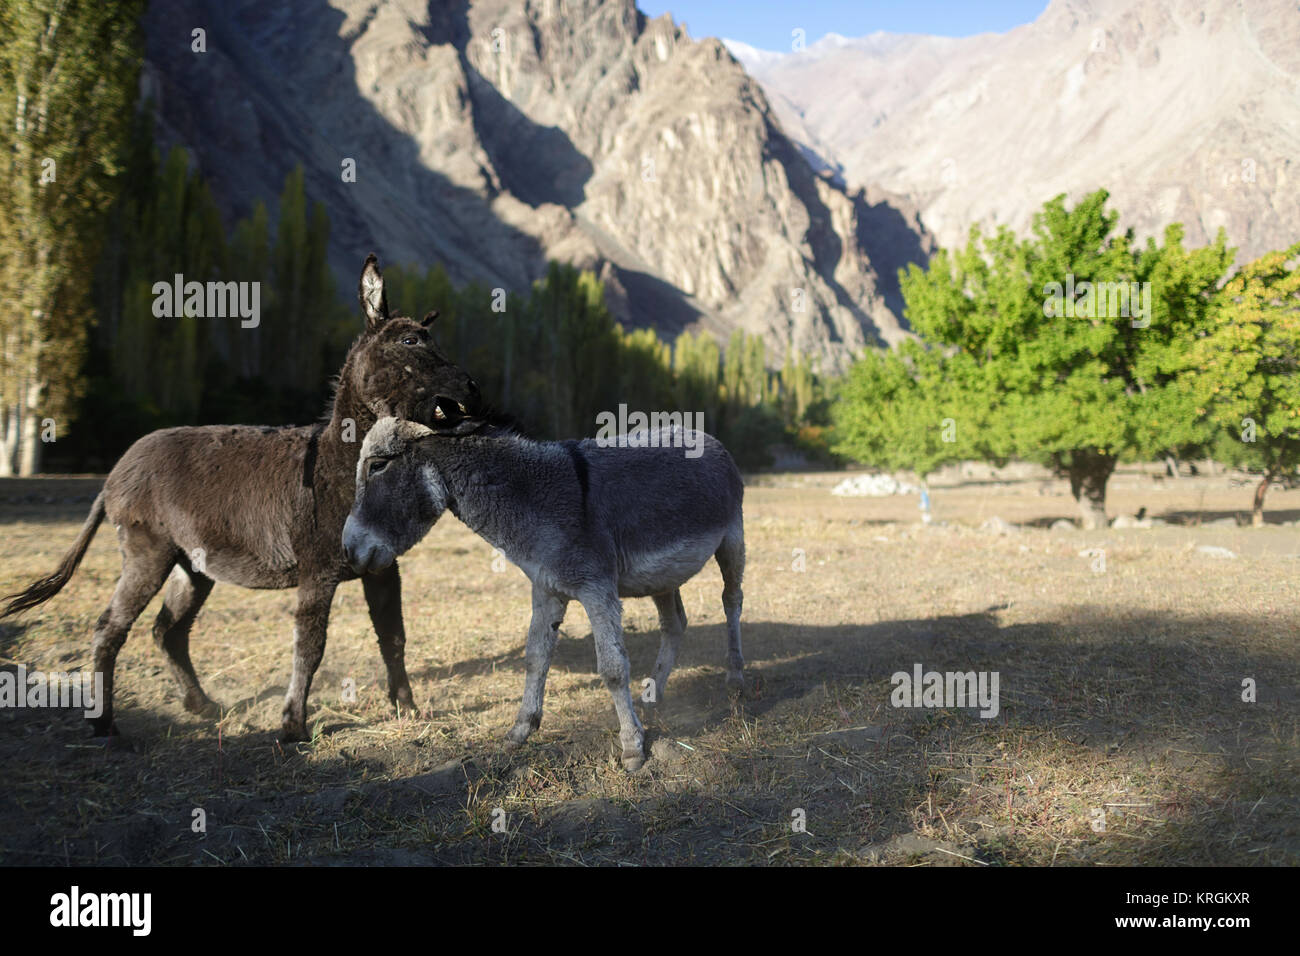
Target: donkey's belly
(263,564)
(253,575)
(663,569)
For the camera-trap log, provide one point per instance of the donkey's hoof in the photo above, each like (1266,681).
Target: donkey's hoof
(102,731)
(402,699)
(408,711)
(633,759)
(291,733)
(517,734)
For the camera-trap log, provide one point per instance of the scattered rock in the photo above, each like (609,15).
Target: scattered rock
(1063,524)
(996,525)
(1214,551)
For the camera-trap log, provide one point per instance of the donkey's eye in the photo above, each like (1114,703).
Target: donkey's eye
(375,466)
(410,340)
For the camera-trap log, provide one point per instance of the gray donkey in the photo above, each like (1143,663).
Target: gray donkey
(262,508)
(584,522)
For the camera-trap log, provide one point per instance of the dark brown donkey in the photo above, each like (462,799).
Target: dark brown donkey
(262,508)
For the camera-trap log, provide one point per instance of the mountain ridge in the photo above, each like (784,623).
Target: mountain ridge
(1185,111)
(493,136)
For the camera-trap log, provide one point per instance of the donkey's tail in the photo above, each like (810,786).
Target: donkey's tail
(41,591)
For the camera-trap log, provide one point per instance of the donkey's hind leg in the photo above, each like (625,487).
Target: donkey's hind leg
(605,612)
(146,560)
(184,597)
(731,561)
(383,591)
(672,624)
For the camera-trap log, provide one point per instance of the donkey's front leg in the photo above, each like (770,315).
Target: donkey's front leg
(606,614)
(310,622)
(383,591)
(543,632)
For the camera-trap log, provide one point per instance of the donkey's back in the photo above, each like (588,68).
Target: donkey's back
(223,495)
(666,508)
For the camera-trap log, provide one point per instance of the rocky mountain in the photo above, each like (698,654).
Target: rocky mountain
(1186,110)
(494,135)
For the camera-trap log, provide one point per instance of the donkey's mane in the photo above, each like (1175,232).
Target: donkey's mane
(492,423)
(335,381)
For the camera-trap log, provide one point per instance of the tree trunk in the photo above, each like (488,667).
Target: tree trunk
(1171,467)
(1261,489)
(8,440)
(29,445)
(1089,471)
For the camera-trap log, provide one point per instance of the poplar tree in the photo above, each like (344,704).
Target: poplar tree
(68,78)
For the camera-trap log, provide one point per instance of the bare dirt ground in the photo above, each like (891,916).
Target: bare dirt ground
(1122,736)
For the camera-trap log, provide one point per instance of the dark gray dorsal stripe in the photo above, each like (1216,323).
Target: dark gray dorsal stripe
(580,466)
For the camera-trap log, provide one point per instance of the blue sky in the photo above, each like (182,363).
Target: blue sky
(767,24)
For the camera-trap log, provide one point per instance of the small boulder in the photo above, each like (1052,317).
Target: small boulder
(996,525)
(1214,551)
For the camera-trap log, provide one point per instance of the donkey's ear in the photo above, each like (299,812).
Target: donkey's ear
(374,303)
(428,318)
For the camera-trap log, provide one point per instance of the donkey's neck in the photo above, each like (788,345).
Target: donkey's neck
(505,488)
(350,419)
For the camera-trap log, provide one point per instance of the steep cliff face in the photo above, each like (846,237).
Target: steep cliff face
(1186,110)
(492,136)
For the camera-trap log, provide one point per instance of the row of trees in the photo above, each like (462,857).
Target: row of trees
(555,359)
(93,218)
(147,371)
(1078,349)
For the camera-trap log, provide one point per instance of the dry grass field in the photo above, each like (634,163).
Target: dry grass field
(1122,736)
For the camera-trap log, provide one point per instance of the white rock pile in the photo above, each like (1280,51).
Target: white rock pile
(873,486)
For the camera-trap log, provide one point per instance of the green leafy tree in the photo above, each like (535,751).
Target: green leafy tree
(1069,345)
(909,409)
(1245,372)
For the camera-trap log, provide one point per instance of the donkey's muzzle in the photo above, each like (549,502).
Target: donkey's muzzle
(364,552)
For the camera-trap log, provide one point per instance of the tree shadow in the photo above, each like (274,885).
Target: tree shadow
(1242,516)
(1102,686)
